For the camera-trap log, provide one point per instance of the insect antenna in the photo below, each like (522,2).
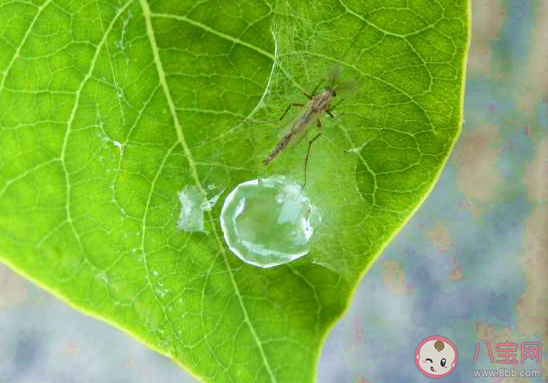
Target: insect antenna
(315,90)
(335,71)
(354,40)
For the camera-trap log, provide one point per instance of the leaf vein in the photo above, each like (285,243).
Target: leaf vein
(215,32)
(22,43)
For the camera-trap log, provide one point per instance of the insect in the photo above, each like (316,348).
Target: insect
(318,103)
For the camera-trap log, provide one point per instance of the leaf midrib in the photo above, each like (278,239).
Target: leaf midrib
(147,14)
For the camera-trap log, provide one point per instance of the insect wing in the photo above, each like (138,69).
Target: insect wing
(333,75)
(348,88)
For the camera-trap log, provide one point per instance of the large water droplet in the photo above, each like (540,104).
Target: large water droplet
(267,222)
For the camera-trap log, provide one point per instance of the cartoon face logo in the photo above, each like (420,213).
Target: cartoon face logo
(436,357)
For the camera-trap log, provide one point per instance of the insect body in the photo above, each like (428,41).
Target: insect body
(316,105)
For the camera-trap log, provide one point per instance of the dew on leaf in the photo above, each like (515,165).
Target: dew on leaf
(193,206)
(268,222)
(119,145)
(102,276)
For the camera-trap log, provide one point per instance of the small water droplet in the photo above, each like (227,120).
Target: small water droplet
(213,194)
(191,217)
(120,146)
(268,222)
(102,276)
(193,206)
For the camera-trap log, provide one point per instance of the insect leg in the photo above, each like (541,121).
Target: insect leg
(311,95)
(329,111)
(308,155)
(289,107)
(316,88)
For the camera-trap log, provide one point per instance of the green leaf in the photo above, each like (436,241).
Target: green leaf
(110,108)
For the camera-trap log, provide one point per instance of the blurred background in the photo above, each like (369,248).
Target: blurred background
(471,265)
